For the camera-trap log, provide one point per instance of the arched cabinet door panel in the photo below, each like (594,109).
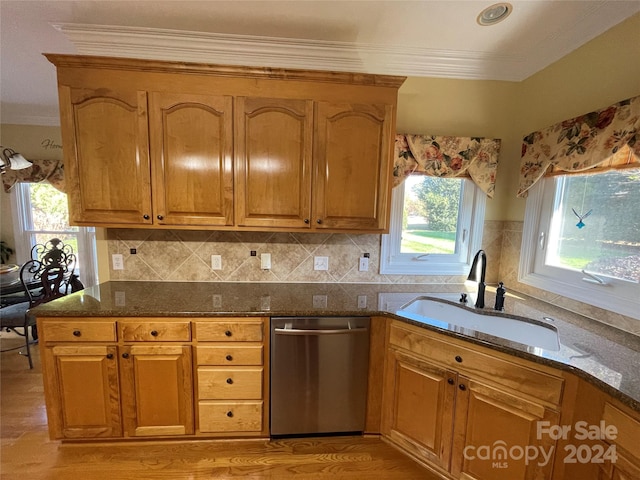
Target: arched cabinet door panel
(105,136)
(191,152)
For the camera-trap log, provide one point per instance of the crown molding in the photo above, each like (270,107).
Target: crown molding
(228,49)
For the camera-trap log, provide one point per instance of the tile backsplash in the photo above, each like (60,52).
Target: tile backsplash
(184,255)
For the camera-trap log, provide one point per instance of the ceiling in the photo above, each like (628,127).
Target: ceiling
(413,38)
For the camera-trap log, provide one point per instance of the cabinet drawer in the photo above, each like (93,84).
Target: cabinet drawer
(230,416)
(628,429)
(521,378)
(231,354)
(155,331)
(229,331)
(78,331)
(230,383)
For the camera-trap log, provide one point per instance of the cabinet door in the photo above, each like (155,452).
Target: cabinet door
(157,390)
(420,399)
(273,162)
(191,150)
(83,398)
(352,151)
(106,151)
(492,428)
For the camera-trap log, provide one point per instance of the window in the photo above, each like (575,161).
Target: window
(436,227)
(581,239)
(40,213)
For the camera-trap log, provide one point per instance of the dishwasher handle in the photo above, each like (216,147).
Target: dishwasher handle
(336,331)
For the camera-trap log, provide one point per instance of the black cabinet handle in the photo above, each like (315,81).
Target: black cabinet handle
(228,333)
(154,333)
(450,381)
(159,217)
(306,220)
(319,221)
(229,381)
(125,355)
(109,356)
(77,333)
(458,359)
(229,357)
(462,387)
(146,217)
(229,414)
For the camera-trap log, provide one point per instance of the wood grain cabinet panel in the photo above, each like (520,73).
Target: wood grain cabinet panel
(230,354)
(106,146)
(273,162)
(157,389)
(82,387)
(236,416)
(229,331)
(158,331)
(191,151)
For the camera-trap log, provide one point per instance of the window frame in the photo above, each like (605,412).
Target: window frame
(468,240)
(24,236)
(616,295)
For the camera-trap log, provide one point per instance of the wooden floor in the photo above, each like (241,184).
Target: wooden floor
(27,453)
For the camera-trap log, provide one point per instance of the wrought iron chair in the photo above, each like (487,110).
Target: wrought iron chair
(47,276)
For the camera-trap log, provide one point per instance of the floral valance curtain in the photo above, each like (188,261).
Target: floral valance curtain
(449,157)
(605,139)
(51,171)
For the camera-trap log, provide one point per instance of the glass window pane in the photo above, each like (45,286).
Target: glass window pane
(49,209)
(595,224)
(431,211)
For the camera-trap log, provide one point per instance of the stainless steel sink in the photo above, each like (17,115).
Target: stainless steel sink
(454,317)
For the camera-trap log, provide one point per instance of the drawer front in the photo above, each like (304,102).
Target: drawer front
(521,378)
(230,416)
(230,383)
(229,331)
(78,331)
(155,331)
(231,354)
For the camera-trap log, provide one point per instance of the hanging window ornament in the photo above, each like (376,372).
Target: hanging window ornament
(580,223)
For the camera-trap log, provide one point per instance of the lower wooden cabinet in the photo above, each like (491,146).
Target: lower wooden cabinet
(82,391)
(448,411)
(157,390)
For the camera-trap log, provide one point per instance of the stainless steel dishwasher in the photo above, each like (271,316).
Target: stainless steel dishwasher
(319,370)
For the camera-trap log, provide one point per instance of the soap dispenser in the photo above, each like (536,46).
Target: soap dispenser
(500,291)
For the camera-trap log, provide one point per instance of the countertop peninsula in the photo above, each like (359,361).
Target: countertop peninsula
(601,354)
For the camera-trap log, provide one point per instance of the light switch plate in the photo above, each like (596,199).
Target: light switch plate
(363,266)
(265,261)
(117,261)
(321,263)
(216,262)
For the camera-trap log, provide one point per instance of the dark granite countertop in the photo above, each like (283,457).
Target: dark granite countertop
(603,355)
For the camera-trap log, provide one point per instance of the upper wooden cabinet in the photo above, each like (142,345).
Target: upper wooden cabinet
(158,144)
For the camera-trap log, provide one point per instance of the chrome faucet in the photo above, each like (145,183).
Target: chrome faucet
(477,275)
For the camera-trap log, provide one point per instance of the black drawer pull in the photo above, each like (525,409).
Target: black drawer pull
(228,333)
(229,414)
(109,356)
(319,222)
(159,217)
(146,217)
(77,333)
(229,357)
(154,333)
(458,359)
(450,381)
(230,381)
(125,355)
(462,387)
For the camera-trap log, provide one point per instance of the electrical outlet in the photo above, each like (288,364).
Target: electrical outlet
(319,301)
(265,261)
(119,299)
(265,303)
(117,261)
(364,264)
(321,263)
(362,301)
(216,262)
